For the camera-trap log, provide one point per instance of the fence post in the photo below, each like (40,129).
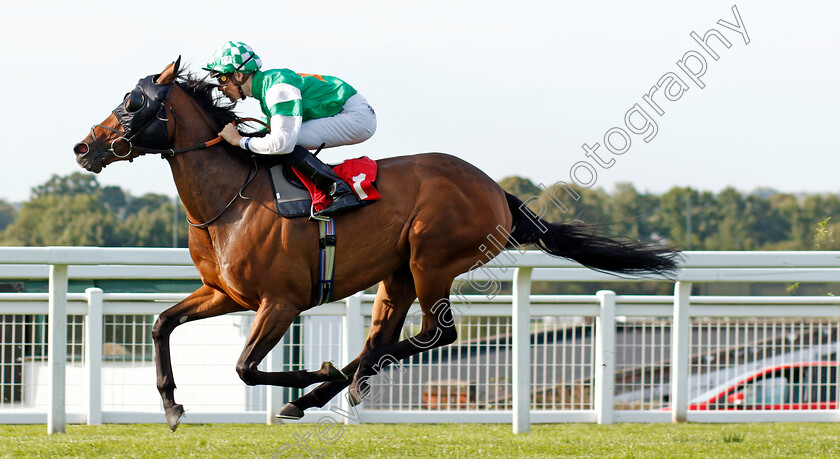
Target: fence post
(605,357)
(521,350)
(57,348)
(93,355)
(680,351)
(353,335)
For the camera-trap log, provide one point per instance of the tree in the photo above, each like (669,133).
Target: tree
(732,232)
(54,219)
(630,212)
(795,229)
(671,220)
(66,210)
(8,213)
(147,201)
(115,199)
(765,223)
(68,185)
(152,227)
(76,210)
(520,187)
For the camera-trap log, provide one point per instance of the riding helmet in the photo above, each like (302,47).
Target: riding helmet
(234,56)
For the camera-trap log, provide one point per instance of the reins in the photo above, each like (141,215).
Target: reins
(248,179)
(201,146)
(171,151)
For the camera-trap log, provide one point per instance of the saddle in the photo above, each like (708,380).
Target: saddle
(292,199)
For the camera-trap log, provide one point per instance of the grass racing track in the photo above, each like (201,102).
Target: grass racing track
(426,440)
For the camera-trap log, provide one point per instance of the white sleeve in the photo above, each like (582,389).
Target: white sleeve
(282,138)
(285,128)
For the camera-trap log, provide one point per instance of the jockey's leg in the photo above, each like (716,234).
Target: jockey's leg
(354,124)
(343,197)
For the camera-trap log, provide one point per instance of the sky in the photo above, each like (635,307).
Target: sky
(515,88)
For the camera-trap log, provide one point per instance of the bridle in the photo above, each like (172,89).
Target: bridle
(143,112)
(144,150)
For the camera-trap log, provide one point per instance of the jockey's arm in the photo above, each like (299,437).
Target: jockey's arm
(283,102)
(282,138)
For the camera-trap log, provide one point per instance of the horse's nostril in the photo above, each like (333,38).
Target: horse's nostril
(81,148)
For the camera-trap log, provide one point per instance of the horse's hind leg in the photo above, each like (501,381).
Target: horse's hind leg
(393,299)
(270,324)
(201,304)
(438,329)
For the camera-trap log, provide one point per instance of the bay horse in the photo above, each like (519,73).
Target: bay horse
(432,223)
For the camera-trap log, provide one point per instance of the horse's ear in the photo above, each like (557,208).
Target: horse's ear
(169,73)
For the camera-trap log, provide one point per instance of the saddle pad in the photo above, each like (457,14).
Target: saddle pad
(359,173)
(291,200)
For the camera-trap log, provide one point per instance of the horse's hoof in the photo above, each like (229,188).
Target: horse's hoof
(289,411)
(173,416)
(333,372)
(355,396)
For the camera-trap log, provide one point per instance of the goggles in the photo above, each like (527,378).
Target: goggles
(223,78)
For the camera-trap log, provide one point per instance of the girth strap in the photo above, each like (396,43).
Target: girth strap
(326,243)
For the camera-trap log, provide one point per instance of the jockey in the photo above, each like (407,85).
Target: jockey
(303,110)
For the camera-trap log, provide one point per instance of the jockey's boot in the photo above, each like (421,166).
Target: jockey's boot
(343,197)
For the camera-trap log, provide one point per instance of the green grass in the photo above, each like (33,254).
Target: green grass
(441,440)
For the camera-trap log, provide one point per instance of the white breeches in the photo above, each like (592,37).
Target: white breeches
(356,122)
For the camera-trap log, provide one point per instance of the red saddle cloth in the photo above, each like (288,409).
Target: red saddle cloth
(359,173)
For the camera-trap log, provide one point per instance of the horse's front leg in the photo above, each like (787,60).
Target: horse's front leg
(270,324)
(201,304)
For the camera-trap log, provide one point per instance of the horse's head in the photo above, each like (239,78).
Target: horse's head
(138,123)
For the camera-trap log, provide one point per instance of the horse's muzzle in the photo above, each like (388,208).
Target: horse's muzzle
(81,148)
(87,157)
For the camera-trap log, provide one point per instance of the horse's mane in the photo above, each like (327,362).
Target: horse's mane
(213,103)
(217,106)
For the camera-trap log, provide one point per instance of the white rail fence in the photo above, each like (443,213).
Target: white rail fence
(520,358)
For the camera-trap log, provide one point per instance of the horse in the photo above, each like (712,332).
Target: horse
(432,223)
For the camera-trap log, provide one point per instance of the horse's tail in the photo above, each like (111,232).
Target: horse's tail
(578,241)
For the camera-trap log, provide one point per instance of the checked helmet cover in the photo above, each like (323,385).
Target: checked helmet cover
(234,56)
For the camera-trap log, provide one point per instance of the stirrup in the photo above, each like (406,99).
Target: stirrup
(340,205)
(312,215)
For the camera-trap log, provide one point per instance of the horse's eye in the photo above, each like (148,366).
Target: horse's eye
(134,101)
